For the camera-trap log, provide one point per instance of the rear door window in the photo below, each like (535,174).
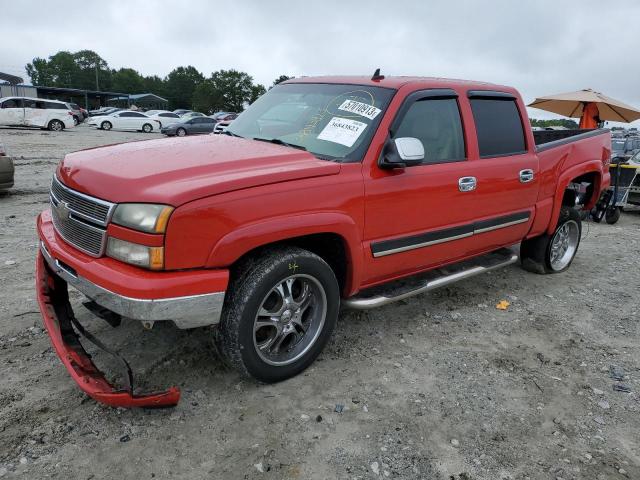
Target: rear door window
(498,126)
(12,103)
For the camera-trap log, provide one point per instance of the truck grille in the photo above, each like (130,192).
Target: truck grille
(80,219)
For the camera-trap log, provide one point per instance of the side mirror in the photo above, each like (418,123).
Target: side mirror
(401,152)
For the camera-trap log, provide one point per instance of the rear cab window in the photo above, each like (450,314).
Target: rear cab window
(498,124)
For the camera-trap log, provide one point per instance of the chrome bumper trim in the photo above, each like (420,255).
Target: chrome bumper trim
(186,312)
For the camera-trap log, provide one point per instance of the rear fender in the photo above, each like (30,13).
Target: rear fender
(249,237)
(592,166)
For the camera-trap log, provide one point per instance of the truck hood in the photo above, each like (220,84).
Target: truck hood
(179,170)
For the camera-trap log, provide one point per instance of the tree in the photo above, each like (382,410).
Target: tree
(154,84)
(39,72)
(59,71)
(206,98)
(180,85)
(127,80)
(93,71)
(280,79)
(561,122)
(234,88)
(256,92)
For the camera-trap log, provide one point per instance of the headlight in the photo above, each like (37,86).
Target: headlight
(135,254)
(145,217)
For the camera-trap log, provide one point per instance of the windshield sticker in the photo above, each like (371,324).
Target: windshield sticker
(360,108)
(342,131)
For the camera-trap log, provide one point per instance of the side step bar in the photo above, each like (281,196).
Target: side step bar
(424,282)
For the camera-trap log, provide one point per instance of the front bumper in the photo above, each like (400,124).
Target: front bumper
(58,318)
(190,299)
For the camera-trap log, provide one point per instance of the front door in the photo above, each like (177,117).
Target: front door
(421,216)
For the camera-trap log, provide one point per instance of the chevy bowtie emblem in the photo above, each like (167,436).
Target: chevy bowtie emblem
(62,208)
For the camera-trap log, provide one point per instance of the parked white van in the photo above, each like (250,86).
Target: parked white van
(35,112)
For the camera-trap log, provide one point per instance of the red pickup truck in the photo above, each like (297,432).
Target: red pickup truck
(328,190)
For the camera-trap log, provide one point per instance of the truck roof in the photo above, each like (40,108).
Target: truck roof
(396,82)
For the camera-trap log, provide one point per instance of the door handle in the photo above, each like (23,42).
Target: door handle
(467,184)
(526,175)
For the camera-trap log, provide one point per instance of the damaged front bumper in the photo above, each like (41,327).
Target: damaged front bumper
(59,321)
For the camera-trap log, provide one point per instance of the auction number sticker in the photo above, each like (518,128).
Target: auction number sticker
(342,131)
(360,108)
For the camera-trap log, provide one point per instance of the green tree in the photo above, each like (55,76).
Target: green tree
(40,72)
(280,79)
(127,80)
(256,92)
(560,122)
(60,70)
(206,98)
(234,88)
(180,85)
(93,71)
(154,84)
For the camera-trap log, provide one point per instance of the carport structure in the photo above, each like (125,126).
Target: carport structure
(89,99)
(145,100)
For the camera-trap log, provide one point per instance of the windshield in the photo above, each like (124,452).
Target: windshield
(329,120)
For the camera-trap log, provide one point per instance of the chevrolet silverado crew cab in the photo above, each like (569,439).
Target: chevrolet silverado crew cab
(326,191)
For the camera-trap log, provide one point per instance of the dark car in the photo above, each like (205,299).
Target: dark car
(625,147)
(196,125)
(6,170)
(78,116)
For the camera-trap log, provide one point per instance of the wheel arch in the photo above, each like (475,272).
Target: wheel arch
(590,172)
(332,236)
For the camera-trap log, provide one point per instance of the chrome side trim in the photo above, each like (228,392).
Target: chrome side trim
(186,312)
(502,225)
(420,245)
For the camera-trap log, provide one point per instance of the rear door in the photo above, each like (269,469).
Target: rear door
(505,170)
(35,113)
(12,112)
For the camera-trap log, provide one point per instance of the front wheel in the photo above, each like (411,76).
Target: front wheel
(553,253)
(106,126)
(279,313)
(181,132)
(146,128)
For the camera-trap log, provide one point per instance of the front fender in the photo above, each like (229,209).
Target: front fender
(249,237)
(591,166)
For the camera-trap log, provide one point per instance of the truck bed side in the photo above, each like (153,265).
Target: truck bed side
(569,155)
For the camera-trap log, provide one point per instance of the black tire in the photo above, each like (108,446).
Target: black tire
(181,132)
(584,215)
(535,253)
(252,282)
(76,121)
(612,215)
(55,126)
(106,126)
(147,128)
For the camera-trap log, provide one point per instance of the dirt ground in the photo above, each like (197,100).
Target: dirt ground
(440,386)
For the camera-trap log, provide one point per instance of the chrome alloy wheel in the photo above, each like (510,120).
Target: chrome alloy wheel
(289,320)
(564,245)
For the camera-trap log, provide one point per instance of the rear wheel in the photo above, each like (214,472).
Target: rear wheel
(554,253)
(279,313)
(55,126)
(146,128)
(181,132)
(106,126)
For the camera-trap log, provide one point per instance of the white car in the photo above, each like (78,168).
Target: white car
(189,115)
(126,120)
(165,118)
(35,112)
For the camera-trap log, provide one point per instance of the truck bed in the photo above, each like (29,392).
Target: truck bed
(552,138)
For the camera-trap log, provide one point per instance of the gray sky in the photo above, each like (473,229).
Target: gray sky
(541,47)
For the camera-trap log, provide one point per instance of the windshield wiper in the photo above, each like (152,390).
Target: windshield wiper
(277,141)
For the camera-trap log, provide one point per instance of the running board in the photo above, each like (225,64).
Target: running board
(425,282)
